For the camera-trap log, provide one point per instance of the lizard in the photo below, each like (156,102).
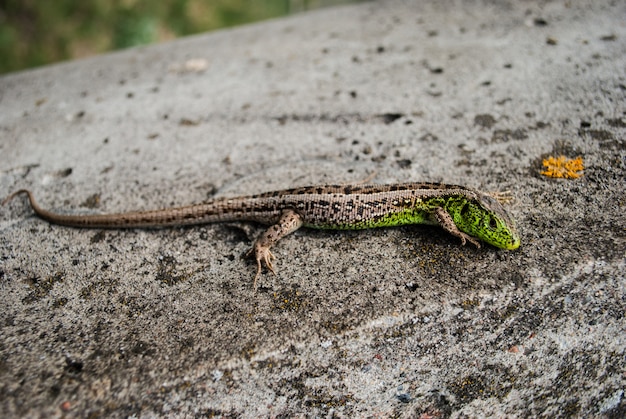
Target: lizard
(464,212)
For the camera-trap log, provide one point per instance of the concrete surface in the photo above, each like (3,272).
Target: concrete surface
(389,323)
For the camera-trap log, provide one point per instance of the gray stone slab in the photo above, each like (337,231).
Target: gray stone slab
(389,323)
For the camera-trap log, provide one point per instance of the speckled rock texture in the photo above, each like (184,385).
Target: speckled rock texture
(400,322)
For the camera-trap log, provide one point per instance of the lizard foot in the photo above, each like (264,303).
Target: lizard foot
(503,197)
(465,237)
(263,256)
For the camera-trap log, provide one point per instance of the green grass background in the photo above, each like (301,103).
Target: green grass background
(38,32)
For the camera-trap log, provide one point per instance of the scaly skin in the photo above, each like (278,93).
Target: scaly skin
(466,213)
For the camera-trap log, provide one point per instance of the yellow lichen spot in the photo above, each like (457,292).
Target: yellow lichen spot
(562,167)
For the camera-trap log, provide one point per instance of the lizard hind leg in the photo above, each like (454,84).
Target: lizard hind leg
(289,222)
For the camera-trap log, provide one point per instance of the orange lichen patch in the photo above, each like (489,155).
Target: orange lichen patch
(562,167)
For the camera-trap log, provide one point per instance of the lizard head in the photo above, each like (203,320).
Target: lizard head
(487,220)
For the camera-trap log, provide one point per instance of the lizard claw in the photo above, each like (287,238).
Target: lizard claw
(263,256)
(503,197)
(467,238)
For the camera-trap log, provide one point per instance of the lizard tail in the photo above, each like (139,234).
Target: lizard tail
(31,198)
(41,213)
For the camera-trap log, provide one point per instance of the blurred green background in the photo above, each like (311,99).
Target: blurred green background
(37,32)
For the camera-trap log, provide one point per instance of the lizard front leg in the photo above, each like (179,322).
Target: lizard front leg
(289,222)
(447,223)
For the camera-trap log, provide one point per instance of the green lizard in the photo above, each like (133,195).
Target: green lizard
(466,213)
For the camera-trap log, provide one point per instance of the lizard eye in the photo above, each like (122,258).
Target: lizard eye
(492,223)
(464,209)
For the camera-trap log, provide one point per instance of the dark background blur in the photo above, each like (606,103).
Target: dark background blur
(38,32)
